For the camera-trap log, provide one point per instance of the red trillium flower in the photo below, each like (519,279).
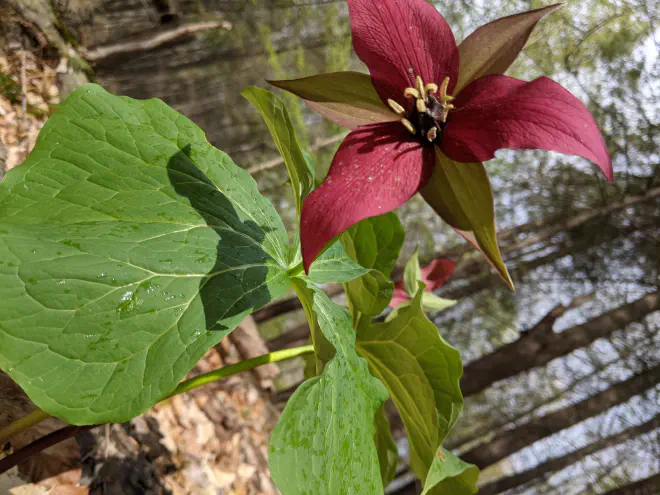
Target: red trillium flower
(425,111)
(434,276)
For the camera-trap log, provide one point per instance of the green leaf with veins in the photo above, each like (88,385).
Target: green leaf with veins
(421,372)
(449,475)
(128,247)
(334,265)
(324,440)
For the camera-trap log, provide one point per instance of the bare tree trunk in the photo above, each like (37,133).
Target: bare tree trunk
(549,229)
(648,486)
(560,250)
(558,463)
(541,345)
(507,443)
(534,348)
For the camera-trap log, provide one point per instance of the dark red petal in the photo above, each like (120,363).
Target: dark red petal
(398,296)
(376,169)
(496,112)
(436,273)
(399,40)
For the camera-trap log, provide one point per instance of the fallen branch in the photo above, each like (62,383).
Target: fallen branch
(153,41)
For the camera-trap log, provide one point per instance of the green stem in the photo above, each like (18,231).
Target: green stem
(22,424)
(39,415)
(233,369)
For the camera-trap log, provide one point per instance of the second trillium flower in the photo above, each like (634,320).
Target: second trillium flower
(418,116)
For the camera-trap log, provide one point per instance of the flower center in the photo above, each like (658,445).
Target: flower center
(429,113)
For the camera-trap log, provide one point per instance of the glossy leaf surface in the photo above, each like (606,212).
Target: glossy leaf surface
(324,440)
(449,475)
(128,247)
(421,372)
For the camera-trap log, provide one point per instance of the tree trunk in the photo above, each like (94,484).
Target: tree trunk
(507,443)
(559,463)
(549,228)
(541,345)
(473,267)
(648,486)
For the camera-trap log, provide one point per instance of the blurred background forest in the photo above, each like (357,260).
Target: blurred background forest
(561,376)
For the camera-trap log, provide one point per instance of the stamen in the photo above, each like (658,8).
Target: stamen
(445,111)
(408,125)
(431,88)
(411,93)
(398,109)
(443,90)
(432,134)
(421,106)
(420,87)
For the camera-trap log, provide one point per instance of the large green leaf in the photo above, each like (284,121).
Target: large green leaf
(449,475)
(281,128)
(324,440)
(460,193)
(421,372)
(493,47)
(374,243)
(128,247)
(348,99)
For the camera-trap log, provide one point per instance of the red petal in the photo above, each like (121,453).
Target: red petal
(496,112)
(399,40)
(398,296)
(436,273)
(376,169)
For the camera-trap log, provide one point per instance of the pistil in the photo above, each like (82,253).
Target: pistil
(430,109)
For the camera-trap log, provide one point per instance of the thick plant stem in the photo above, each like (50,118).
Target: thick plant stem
(22,424)
(68,432)
(226,371)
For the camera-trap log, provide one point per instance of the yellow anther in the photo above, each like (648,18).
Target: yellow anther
(432,134)
(431,88)
(411,93)
(420,87)
(443,89)
(408,125)
(445,111)
(398,109)
(421,106)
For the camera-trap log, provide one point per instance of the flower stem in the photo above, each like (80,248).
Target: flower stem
(22,424)
(233,369)
(39,415)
